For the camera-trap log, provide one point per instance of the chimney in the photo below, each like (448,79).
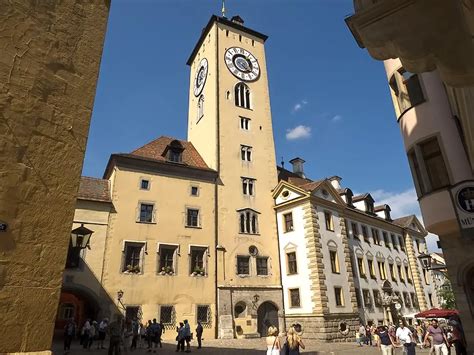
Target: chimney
(335,181)
(298,166)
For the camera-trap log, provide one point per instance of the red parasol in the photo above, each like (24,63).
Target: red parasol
(437,313)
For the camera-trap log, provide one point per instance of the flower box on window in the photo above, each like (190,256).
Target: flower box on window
(167,270)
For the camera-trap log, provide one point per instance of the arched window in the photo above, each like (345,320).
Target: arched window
(242,95)
(200,108)
(66,311)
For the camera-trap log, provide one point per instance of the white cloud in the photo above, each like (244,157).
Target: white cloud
(336,118)
(298,106)
(403,204)
(299,132)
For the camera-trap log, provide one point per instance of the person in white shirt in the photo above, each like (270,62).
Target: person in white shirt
(405,337)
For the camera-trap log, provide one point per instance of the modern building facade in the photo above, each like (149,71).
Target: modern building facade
(345,260)
(430,74)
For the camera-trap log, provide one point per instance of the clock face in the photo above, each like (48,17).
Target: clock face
(201,76)
(242,64)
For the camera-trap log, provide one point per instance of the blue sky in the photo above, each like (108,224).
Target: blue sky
(326,93)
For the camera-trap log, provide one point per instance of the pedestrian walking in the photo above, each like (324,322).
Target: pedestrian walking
(180,338)
(273,343)
(368,335)
(149,335)
(92,333)
(85,334)
(115,331)
(439,338)
(187,335)
(420,332)
(141,335)
(385,341)
(362,332)
(405,338)
(102,331)
(199,331)
(69,333)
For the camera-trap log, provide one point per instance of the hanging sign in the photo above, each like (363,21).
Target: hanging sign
(463,196)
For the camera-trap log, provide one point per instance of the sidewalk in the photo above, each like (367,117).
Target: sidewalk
(237,346)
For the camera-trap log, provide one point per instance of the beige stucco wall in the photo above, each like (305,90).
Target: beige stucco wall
(49,65)
(171,195)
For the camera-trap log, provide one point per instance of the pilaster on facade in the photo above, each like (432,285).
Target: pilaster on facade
(415,272)
(348,263)
(316,266)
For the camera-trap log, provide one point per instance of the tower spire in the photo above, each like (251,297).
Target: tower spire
(223,8)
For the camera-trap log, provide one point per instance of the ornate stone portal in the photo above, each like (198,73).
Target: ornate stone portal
(390,301)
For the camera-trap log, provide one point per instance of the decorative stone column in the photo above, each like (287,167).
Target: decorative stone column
(415,272)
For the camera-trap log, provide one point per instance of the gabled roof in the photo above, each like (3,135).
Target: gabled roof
(291,177)
(362,197)
(382,207)
(94,189)
(404,221)
(156,150)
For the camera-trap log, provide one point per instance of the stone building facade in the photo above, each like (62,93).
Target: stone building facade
(342,258)
(49,65)
(430,72)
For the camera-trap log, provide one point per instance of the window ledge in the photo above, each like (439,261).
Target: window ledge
(162,273)
(243,275)
(143,222)
(264,276)
(336,272)
(245,234)
(131,273)
(198,276)
(193,227)
(292,274)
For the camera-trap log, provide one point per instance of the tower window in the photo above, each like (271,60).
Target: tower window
(294,297)
(244,123)
(242,95)
(144,184)
(334,262)
(292,264)
(248,221)
(246,153)
(200,108)
(192,217)
(329,221)
(339,296)
(248,186)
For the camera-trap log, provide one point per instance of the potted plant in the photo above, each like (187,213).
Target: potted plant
(169,270)
(135,269)
(198,271)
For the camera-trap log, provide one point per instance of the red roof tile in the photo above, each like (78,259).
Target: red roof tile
(94,189)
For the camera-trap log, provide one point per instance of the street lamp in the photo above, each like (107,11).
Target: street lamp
(80,237)
(119,295)
(425,260)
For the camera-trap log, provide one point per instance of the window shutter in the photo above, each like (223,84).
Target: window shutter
(414,89)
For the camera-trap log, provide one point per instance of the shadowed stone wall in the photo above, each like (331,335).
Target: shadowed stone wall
(49,63)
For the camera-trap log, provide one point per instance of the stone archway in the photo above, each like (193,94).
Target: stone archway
(267,315)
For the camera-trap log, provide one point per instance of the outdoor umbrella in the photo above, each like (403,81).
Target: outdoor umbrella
(437,313)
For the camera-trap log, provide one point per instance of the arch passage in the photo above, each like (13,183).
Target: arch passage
(267,315)
(78,305)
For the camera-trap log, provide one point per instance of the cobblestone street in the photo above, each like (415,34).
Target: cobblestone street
(236,346)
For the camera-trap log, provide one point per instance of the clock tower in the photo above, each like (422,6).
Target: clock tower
(230,124)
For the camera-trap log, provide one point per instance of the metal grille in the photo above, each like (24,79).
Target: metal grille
(204,315)
(168,316)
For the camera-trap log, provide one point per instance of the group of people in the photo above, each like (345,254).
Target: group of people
(129,334)
(90,332)
(292,344)
(438,339)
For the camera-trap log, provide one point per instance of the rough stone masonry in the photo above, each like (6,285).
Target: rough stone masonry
(49,62)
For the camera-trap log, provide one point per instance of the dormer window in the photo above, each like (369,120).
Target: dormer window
(369,206)
(174,151)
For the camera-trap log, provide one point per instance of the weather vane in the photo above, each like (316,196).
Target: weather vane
(223,8)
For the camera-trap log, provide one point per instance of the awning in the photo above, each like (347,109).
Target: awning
(437,313)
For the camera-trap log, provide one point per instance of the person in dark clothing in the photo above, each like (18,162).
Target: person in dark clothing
(135,334)
(199,331)
(69,332)
(115,330)
(368,334)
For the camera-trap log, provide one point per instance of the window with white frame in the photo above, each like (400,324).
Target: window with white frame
(288,222)
(248,186)
(242,95)
(248,221)
(407,89)
(295,301)
(167,259)
(246,153)
(193,218)
(329,221)
(194,190)
(200,108)
(146,213)
(292,263)
(245,123)
(339,296)
(428,166)
(144,184)
(197,264)
(132,257)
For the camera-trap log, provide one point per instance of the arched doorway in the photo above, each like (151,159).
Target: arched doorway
(76,304)
(267,315)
